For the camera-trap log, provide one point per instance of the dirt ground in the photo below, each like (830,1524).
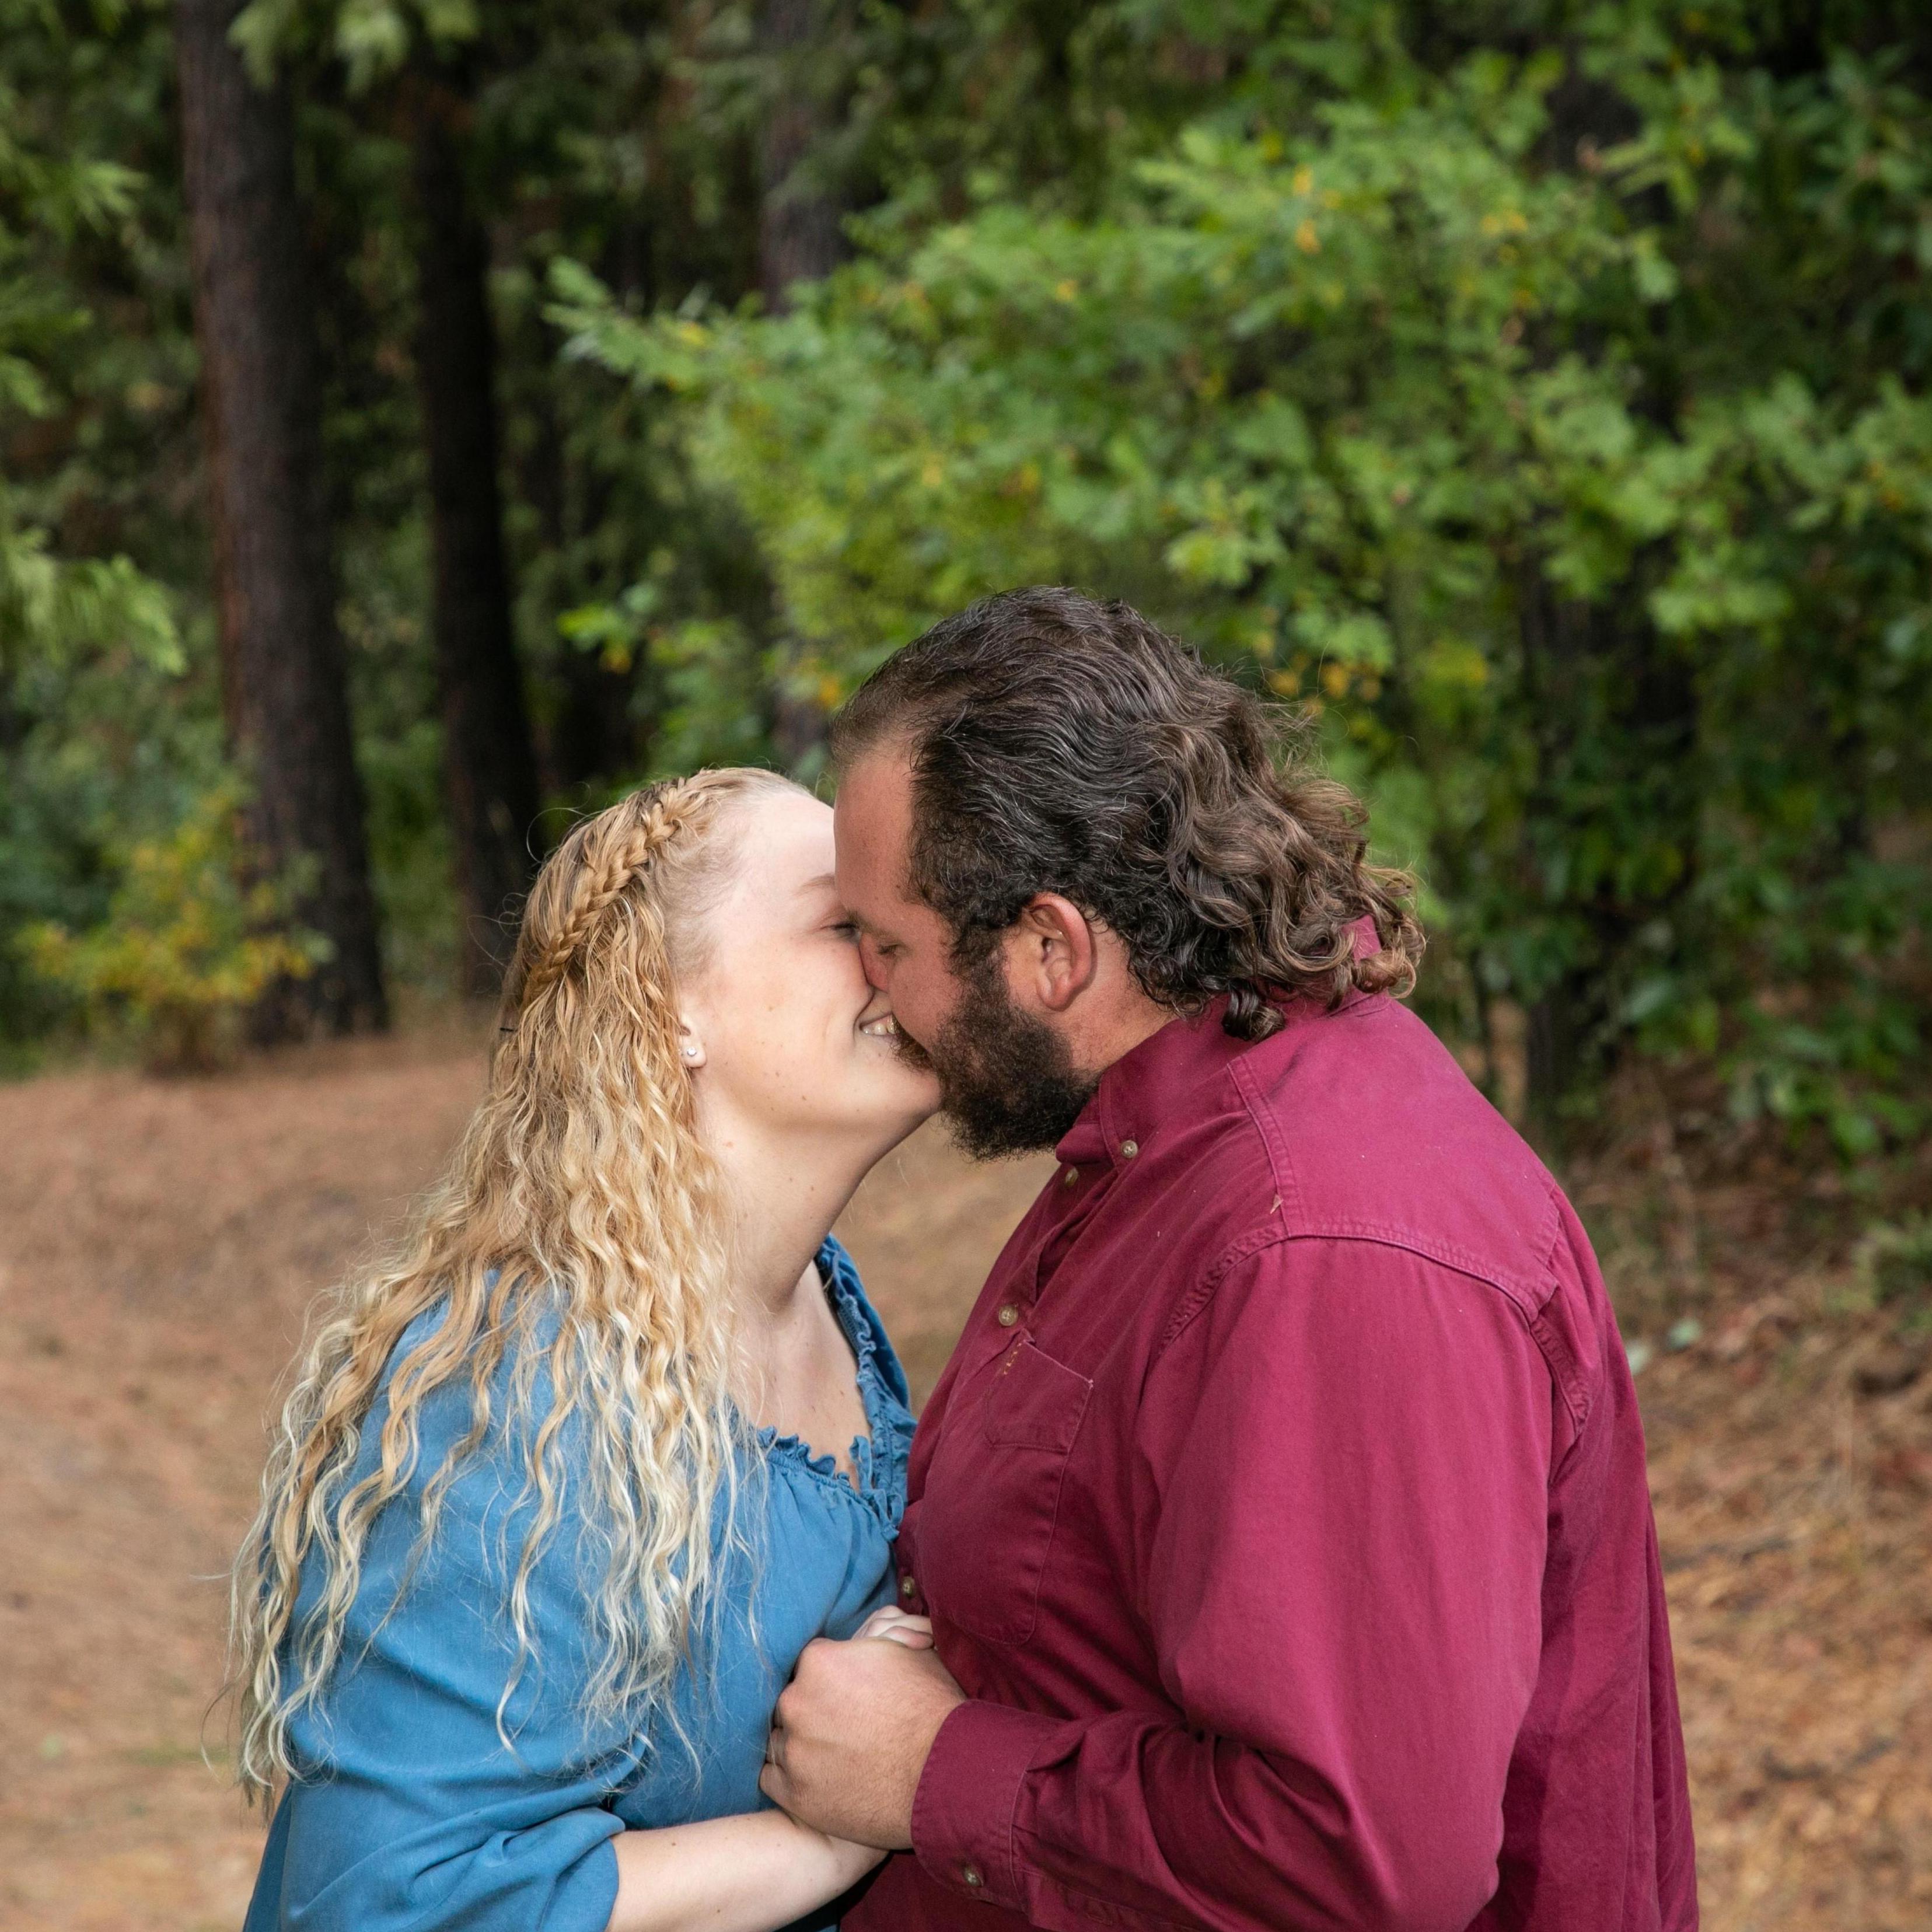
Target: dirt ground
(159,1244)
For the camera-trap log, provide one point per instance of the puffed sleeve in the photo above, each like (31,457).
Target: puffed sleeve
(414,1814)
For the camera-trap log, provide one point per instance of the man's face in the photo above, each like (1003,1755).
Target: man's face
(1006,1080)
(905,946)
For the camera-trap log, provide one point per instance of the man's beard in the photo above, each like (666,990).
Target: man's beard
(1006,1081)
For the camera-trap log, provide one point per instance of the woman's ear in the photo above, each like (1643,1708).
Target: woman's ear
(690,1045)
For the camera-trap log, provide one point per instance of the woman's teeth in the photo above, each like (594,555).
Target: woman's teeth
(884,1027)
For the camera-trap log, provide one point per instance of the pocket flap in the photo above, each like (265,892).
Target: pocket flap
(1035,1402)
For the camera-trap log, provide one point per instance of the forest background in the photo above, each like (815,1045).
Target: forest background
(421,422)
(1533,396)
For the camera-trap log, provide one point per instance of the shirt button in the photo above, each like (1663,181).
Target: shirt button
(908,1588)
(1067,1179)
(1129,1149)
(1008,1314)
(971,1875)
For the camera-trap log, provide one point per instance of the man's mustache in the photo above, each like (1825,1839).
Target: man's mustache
(910,1051)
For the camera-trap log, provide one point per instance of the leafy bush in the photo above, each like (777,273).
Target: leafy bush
(184,950)
(1556,424)
(1895,1260)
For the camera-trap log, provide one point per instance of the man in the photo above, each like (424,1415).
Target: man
(1282,1515)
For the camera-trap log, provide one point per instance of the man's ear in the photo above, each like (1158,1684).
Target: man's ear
(1052,954)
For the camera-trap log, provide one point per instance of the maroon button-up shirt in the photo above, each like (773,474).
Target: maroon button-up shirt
(1283,1514)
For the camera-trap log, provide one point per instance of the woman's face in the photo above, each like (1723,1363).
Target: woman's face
(790,1035)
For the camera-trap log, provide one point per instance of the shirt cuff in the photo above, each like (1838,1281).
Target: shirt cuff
(963,1812)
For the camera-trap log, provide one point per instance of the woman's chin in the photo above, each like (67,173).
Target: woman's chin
(919,1097)
(880,1093)
(906,1096)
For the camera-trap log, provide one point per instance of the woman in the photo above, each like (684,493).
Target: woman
(561,1494)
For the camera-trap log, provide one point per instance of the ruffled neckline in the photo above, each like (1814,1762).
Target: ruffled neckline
(879,1457)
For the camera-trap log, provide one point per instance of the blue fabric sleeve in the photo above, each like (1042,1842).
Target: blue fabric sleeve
(417,1816)
(518,1864)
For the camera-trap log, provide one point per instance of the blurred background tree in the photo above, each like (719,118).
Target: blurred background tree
(1537,393)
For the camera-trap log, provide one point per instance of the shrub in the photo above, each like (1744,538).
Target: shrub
(186,948)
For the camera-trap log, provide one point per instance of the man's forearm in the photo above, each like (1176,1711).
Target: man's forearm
(1036,1813)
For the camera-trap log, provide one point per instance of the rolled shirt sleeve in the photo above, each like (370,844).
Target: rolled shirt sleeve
(1342,1519)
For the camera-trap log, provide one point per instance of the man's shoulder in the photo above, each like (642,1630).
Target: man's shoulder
(1372,1132)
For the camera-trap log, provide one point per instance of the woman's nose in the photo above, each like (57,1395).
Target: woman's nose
(873,961)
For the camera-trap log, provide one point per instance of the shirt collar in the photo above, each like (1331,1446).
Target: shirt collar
(1146,1085)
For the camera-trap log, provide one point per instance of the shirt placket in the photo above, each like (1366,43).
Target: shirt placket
(1057,1242)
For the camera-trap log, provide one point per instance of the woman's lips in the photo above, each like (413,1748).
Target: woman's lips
(884,1027)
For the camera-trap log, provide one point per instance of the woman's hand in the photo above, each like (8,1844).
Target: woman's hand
(897,1626)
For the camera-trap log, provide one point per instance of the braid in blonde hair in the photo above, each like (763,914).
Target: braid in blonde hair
(612,857)
(578,1237)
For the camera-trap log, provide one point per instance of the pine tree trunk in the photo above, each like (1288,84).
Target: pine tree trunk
(489,759)
(593,734)
(284,681)
(1561,1020)
(799,240)
(1612,710)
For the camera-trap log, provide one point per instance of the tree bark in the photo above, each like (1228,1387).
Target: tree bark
(592,734)
(489,758)
(799,240)
(1613,711)
(284,672)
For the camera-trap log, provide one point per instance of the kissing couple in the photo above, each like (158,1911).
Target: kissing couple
(1276,1550)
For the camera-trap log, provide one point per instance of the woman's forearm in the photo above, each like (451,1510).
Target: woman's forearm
(753,1873)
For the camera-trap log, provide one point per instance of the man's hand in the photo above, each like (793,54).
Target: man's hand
(852,1733)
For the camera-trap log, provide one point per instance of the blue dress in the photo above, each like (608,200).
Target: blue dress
(411,1815)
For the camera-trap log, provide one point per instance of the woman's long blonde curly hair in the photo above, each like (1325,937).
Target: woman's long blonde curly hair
(579,1237)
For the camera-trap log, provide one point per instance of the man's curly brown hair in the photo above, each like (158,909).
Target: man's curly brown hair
(1060,744)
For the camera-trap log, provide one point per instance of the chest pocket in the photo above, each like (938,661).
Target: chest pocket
(993,1495)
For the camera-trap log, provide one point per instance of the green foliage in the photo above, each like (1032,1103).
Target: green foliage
(183,950)
(1555,424)
(1536,391)
(56,192)
(94,659)
(1893,1263)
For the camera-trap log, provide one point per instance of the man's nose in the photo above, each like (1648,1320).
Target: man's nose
(873,960)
